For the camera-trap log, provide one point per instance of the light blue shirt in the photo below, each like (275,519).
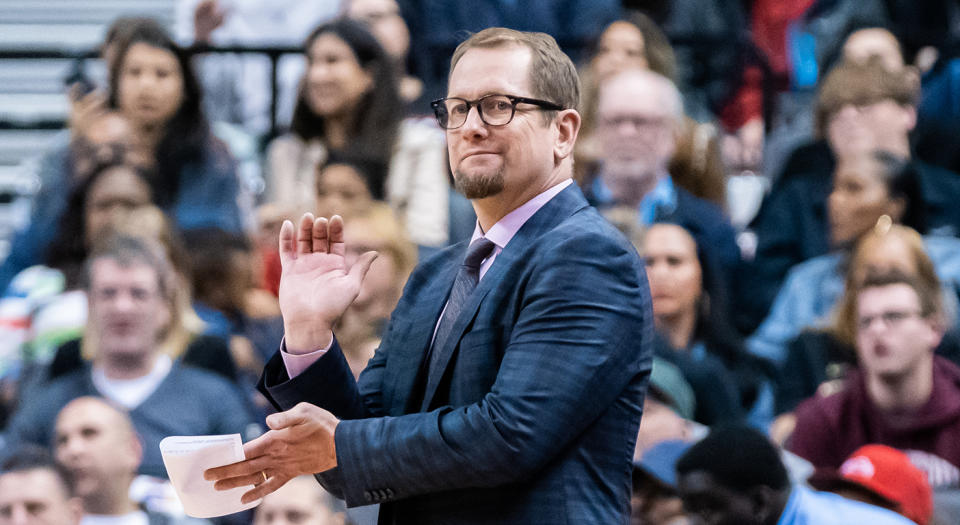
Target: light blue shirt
(663,198)
(809,507)
(813,287)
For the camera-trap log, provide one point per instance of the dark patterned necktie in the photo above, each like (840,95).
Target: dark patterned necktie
(463,285)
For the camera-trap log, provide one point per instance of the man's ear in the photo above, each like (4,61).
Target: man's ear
(568,127)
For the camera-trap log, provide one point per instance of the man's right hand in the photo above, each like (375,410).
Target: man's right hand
(316,287)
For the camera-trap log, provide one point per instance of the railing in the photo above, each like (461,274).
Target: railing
(750,54)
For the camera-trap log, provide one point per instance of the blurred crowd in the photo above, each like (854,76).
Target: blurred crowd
(788,169)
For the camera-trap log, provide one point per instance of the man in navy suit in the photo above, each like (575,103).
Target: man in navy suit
(514,401)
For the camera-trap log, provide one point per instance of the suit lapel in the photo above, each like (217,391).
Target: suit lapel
(444,354)
(414,336)
(553,212)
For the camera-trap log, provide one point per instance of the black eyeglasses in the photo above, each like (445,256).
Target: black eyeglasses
(494,110)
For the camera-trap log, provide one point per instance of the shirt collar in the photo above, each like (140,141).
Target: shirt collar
(504,230)
(662,197)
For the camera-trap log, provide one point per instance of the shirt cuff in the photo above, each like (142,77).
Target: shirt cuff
(297,363)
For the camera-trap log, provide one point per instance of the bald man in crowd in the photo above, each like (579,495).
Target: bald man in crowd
(96,444)
(301,500)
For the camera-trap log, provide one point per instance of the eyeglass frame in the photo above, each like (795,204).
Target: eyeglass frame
(542,104)
(889,318)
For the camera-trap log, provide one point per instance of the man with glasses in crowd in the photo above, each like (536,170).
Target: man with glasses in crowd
(509,385)
(639,119)
(903,395)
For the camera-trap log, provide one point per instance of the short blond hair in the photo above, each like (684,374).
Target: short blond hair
(553,77)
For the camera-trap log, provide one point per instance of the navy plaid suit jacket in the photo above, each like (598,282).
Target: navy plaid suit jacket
(536,416)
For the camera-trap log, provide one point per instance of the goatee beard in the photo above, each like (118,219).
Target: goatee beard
(478,186)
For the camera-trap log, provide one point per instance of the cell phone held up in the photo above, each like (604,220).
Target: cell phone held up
(78,78)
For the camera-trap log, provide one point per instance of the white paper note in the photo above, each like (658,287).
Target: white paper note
(187,457)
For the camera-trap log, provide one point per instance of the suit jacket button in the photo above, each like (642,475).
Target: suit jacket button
(367,495)
(389,493)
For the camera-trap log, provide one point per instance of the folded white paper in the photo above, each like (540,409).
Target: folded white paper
(187,457)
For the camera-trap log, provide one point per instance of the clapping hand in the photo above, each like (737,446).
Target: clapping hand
(299,442)
(316,286)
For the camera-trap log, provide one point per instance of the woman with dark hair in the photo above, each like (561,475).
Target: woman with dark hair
(694,331)
(868,189)
(153,86)
(349,103)
(154,117)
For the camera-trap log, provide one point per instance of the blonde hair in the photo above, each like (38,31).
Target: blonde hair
(844,325)
(552,74)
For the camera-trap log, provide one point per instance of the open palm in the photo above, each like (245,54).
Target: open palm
(316,285)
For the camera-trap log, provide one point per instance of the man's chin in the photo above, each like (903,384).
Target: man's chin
(478,186)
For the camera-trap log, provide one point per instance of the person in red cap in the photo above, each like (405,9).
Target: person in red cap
(882,476)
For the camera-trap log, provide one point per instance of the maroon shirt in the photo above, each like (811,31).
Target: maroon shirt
(831,428)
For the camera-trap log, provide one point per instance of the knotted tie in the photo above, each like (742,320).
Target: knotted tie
(465,282)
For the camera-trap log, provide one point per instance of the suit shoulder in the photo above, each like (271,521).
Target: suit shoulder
(585,230)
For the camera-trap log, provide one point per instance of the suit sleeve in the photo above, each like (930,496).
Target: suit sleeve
(581,337)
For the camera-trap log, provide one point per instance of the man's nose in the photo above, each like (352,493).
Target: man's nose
(19,516)
(71,447)
(474,123)
(123,301)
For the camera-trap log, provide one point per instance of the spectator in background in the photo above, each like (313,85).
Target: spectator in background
(692,319)
(301,500)
(655,500)
(436,28)
(362,325)
(635,42)
(861,108)
(638,118)
(902,395)
(228,301)
(735,476)
(35,491)
(239,85)
(184,339)
(153,88)
(819,358)
(867,188)
(129,294)
(873,43)
(387,25)
(349,103)
(347,186)
(45,305)
(152,84)
(103,137)
(881,476)
(96,443)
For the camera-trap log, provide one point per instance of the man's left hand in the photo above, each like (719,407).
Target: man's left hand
(300,441)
